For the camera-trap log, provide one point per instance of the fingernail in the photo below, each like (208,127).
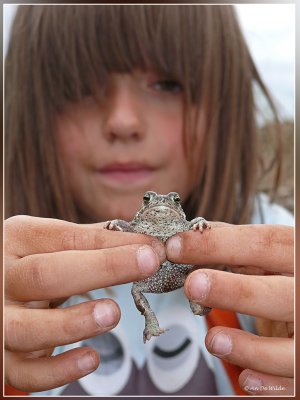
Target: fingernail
(159,249)
(104,314)
(174,245)
(147,260)
(87,363)
(199,285)
(221,344)
(252,384)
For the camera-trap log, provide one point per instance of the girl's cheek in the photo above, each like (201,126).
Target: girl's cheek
(70,140)
(172,133)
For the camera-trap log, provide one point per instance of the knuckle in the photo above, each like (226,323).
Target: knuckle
(75,323)
(242,289)
(69,328)
(20,231)
(20,378)
(13,228)
(31,273)
(290,297)
(109,262)
(18,335)
(258,350)
(266,237)
(78,239)
(13,333)
(16,221)
(25,273)
(238,285)
(208,245)
(9,282)
(17,224)
(12,376)
(263,238)
(104,260)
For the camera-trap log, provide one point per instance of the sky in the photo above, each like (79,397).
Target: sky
(270,33)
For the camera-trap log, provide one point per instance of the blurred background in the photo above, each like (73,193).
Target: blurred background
(270,33)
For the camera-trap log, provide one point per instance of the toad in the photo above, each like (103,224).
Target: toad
(160,216)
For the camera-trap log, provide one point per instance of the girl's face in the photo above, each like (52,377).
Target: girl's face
(130,141)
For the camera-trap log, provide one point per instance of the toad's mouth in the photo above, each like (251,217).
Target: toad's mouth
(162,210)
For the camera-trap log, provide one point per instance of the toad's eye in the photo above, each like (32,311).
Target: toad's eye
(146,197)
(177,198)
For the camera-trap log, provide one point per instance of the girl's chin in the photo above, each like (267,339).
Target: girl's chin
(105,213)
(126,216)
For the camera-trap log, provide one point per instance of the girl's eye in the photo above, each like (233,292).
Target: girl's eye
(168,86)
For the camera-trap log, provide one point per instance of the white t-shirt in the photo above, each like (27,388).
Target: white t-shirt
(175,363)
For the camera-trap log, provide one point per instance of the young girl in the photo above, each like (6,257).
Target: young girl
(102,104)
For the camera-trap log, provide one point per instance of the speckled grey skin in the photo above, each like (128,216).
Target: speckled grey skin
(161,216)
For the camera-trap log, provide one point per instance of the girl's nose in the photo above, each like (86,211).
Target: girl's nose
(124,120)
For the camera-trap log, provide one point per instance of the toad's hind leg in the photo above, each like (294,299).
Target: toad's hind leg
(151,324)
(197,309)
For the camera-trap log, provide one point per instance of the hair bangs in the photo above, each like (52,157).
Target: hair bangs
(78,46)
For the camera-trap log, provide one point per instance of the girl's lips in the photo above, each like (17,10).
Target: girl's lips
(126,173)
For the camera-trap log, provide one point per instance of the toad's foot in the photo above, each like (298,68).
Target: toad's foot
(117,225)
(152,330)
(199,223)
(151,324)
(197,309)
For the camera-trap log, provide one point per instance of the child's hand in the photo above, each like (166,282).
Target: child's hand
(267,251)
(47,260)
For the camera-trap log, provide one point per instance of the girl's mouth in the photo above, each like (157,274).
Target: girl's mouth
(130,172)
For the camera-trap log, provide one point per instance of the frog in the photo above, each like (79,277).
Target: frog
(161,216)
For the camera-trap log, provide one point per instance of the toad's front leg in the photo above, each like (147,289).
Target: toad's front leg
(199,223)
(118,225)
(151,324)
(198,309)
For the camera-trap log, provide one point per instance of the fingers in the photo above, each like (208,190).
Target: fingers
(267,246)
(39,374)
(30,235)
(28,330)
(267,327)
(274,356)
(257,383)
(271,297)
(62,274)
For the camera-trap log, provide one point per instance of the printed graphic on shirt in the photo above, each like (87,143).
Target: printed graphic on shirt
(174,362)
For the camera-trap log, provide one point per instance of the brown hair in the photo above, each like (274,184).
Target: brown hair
(61,53)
